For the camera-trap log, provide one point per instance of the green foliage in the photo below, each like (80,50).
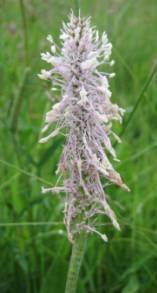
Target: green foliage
(34,249)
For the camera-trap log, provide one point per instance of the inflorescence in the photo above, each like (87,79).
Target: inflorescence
(85,114)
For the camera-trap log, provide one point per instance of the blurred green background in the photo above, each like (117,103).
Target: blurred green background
(34,250)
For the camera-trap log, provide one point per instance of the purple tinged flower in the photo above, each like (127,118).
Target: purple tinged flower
(86,112)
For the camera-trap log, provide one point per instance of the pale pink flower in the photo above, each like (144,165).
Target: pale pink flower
(86,112)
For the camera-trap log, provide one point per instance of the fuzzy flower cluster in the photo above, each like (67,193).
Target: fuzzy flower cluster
(84,114)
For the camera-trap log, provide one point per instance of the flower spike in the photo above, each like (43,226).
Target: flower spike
(86,111)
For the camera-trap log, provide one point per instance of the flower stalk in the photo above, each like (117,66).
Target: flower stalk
(78,250)
(84,115)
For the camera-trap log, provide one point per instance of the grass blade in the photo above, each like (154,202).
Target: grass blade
(139,99)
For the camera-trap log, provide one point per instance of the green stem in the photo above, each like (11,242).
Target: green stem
(19,100)
(139,99)
(75,263)
(77,6)
(25,31)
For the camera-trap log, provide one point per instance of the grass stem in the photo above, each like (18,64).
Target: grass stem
(139,99)
(25,30)
(18,101)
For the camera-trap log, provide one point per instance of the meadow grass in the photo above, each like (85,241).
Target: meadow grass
(34,249)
